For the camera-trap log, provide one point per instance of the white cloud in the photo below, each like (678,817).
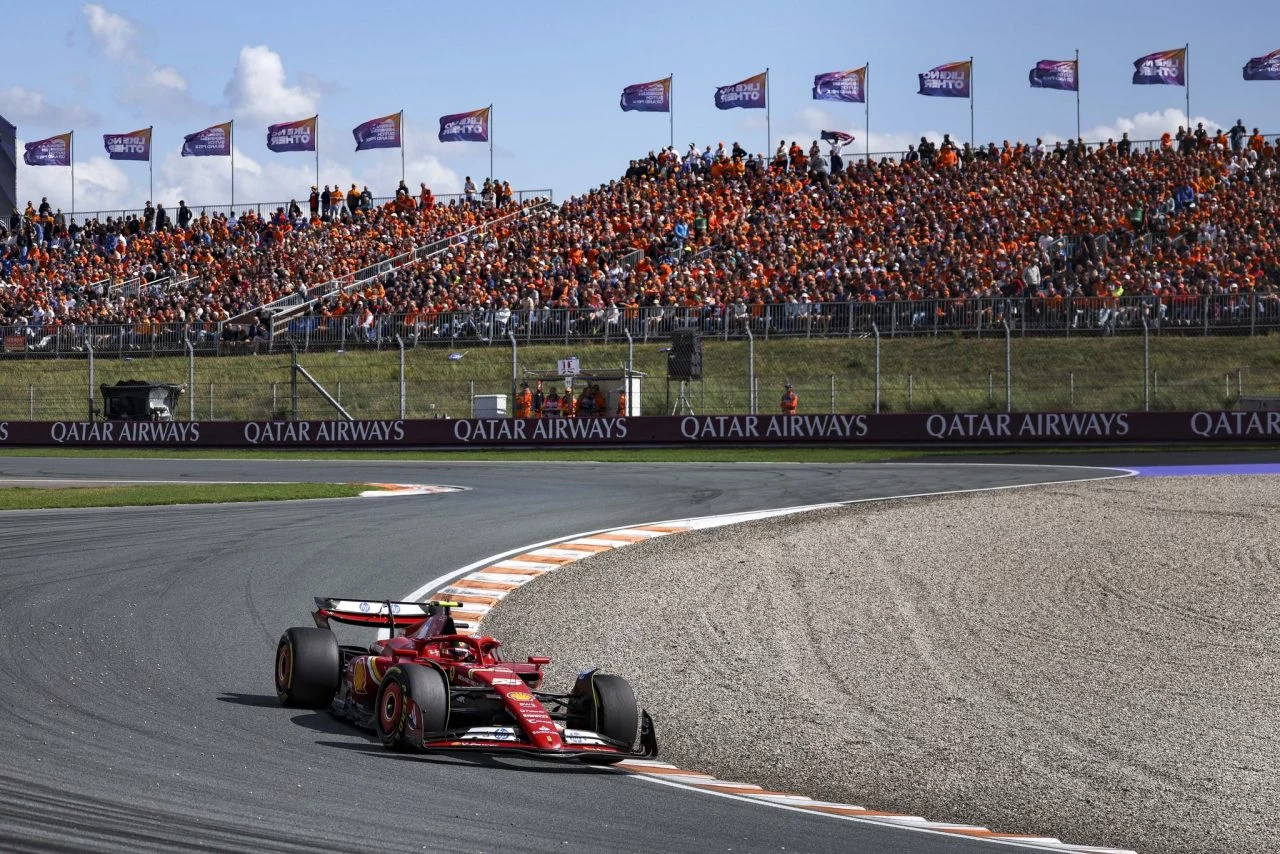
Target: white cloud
(115,35)
(100,184)
(258,89)
(1146,126)
(27,106)
(150,89)
(207,180)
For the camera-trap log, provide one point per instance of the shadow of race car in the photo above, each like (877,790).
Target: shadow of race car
(429,687)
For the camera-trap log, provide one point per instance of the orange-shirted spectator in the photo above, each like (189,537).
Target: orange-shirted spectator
(790,401)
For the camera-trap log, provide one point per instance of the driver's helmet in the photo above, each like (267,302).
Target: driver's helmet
(461,652)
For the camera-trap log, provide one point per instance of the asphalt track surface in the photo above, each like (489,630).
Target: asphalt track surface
(137,710)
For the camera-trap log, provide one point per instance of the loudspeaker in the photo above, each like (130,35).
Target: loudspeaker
(684,359)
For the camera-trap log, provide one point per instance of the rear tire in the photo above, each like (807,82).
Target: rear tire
(400,726)
(308,668)
(607,705)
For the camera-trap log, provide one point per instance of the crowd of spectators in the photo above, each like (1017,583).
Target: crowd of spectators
(721,231)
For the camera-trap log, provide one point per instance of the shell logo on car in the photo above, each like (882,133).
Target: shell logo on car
(520,695)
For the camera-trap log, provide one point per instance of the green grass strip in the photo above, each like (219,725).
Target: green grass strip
(29,498)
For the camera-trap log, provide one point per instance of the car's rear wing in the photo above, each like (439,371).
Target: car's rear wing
(371,612)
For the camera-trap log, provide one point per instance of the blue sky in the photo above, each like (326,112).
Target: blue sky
(553,71)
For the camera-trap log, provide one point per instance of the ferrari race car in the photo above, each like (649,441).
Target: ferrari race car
(428,687)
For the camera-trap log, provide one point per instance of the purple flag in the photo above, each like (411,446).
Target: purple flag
(135,145)
(849,86)
(211,142)
(836,136)
(293,136)
(1055,74)
(471,126)
(1164,68)
(54,151)
(1263,67)
(748,94)
(378,133)
(947,81)
(652,97)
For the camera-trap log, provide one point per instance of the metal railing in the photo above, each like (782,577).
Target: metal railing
(1224,314)
(264,209)
(284,307)
(1137,146)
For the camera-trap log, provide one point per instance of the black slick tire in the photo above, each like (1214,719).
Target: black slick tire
(428,691)
(308,668)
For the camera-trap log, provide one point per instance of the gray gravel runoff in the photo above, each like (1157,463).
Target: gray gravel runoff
(1096,662)
(136,703)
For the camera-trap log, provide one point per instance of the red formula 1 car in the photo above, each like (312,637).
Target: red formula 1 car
(428,687)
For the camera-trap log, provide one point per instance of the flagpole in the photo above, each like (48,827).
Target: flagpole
(151,164)
(866,104)
(233,167)
(73,175)
(317,141)
(671,106)
(971,142)
(402,146)
(490,123)
(768,115)
(1186,60)
(1078,136)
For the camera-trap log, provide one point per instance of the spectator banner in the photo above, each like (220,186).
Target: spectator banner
(836,136)
(1165,68)
(1263,67)
(378,133)
(293,136)
(135,145)
(54,151)
(652,97)
(211,142)
(848,86)
(1056,74)
(471,126)
(947,81)
(749,94)
(1206,428)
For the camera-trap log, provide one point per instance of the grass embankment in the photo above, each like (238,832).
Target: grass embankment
(27,498)
(919,374)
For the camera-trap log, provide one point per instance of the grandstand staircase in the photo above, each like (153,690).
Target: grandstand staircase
(289,308)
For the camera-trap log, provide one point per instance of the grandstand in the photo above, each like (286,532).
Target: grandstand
(1179,232)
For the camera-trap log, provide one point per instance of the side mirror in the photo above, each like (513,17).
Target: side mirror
(539,660)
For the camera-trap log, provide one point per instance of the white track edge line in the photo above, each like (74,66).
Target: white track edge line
(735,518)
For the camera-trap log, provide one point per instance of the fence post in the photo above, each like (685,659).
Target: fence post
(875,330)
(31,402)
(751,370)
(1239,382)
(1008,366)
(515,371)
(191,380)
(833,394)
(293,381)
(1253,312)
(1146,367)
(400,344)
(275,401)
(911,392)
(631,354)
(1071,389)
(471,397)
(88,345)
(1206,313)
(210,401)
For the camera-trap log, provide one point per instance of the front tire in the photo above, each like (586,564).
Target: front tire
(412,700)
(606,705)
(308,668)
